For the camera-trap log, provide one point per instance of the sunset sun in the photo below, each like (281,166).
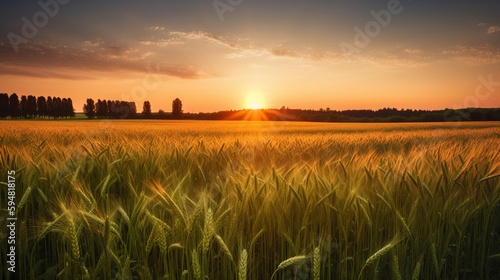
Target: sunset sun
(255,105)
(254,101)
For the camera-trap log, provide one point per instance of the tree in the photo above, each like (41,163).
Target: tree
(89,108)
(4,105)
(24,106)
(64,107)
(50,107)
(109,108)
(31,107)
(70,110)
(132,108)
(146,109)
(101,108)
(41,105)
(15,110)
(114,109)
(177,108)
(122,109)
(57,103)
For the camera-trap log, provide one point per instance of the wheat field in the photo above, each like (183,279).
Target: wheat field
(252,200)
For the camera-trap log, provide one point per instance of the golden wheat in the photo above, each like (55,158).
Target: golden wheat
(99,199)
(196,265)
(242,266)
(316,264)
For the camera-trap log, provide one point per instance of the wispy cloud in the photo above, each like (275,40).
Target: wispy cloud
(396,57)
(413,51)
(163,42)
(493,29)
(474,55)
(209,37)
(76,62)
(157,28)
(412,57)
(98,58)
(243,48)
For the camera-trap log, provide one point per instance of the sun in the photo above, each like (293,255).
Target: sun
(254,105)
(254,101)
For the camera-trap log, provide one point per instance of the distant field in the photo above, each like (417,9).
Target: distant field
(253,200)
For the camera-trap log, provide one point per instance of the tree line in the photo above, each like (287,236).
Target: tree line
(30,107)
(328,115)
(126,110)
(109,109)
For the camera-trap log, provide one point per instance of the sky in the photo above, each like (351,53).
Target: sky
(236,54)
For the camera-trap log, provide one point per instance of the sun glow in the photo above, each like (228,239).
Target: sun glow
(254,105)
(254,101)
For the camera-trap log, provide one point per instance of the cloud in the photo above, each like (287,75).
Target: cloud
(209,37)
(385,57)
(70,62)
(156,28)
(95,59)
(285,53)
(243,48)
(410,57)
(391,57)
(163,42)
(493,29)
(413,51)
(413,57)
(474,55)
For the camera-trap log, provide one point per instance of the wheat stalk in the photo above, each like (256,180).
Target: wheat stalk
(418,267)
(395,266)
(207,231)
(435,258)
(316,263)
(196,265)
(224,247)
(152,239)
(242,265)
(126,268)
(73,236)
(380,253)
(124,214)
(24,198)
(175,246)
(289,262)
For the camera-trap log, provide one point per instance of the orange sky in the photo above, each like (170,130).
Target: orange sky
(292,56)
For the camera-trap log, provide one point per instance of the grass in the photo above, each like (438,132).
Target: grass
(253,200)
